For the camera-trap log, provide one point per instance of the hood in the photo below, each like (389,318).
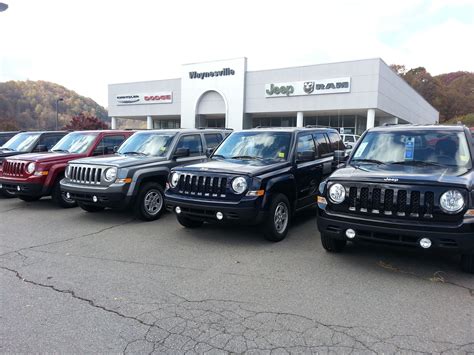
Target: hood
(120,161)
(8,153)
(242,167)
(48,157)
(403,174)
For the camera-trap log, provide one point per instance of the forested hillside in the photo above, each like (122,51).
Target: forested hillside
(452,94)
(32,105)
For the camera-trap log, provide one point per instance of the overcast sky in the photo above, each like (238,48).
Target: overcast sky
(87,44)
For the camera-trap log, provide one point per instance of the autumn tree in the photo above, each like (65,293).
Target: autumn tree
(85,122)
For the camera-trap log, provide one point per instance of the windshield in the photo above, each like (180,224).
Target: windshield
(153,144)
(429,147)
(22,142)
(75,143)
(255,145)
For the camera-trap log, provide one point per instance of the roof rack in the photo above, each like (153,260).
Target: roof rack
(317,126)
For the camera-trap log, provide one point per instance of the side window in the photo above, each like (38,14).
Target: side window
(322,143)
(212,139)
(191,142)
(306,143)
(108,144)
(336,142)
(49,140)
(349,139)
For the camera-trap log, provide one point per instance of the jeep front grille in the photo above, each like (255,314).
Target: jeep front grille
(202,185)
(14,168)
(85,174)
(419,202)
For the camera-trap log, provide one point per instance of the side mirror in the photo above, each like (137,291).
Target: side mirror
(109,150)
(348,146)
(41,148)
(116,147)
(181,153)
(209,151)
(306,155)
(340,156)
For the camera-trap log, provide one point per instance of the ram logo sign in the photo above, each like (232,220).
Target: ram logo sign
(309,87)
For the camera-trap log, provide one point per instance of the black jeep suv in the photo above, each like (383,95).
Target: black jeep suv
(257,176)
(136,175)
(404,185)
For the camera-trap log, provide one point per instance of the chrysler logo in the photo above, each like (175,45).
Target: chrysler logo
(390,179)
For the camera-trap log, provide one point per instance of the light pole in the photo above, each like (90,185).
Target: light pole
(57,111)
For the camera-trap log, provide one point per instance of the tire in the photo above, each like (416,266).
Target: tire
(29,198)
(60,198)
(331,244)
(90,208)
(467,263)
(277,222)
(7,194)
(188,223)
(149,205)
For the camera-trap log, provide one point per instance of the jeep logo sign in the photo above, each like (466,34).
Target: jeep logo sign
(141,99)
(309,87)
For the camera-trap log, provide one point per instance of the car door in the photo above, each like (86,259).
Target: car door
(325,156)
(308,172)
(194,143)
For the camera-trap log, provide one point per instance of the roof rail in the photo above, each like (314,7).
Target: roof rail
(317,126)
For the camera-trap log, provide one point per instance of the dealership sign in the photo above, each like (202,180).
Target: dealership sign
(211,74)
(165,97)
(308,87)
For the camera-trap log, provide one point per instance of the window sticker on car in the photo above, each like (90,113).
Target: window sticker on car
(281,155)
(409,148)
(361,149)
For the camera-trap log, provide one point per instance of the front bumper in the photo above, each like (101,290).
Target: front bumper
(458,238)
(249,212)
(113,196)
(24,187)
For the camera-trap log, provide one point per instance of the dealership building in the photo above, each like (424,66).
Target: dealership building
(351,96)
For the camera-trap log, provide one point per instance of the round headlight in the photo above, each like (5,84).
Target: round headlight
(174,179)
(110,174)
(30,168)
(337,193)
(239,185)
(451,201)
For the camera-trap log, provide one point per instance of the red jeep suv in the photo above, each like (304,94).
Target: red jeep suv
(32,176)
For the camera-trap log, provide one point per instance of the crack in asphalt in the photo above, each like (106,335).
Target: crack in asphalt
(182,325)
(69,239)
(13,209)
(437,276)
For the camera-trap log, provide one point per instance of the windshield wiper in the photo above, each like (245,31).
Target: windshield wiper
(134,153)
(9,149)
(417,163)
(374,161)
(243,157)
(61,150)
(218,156)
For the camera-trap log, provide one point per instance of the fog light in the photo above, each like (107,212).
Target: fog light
(177,210)
(18,188)
(95,199)
(350,233)
(68,195)
(425,243)
(1,186)
(219,215)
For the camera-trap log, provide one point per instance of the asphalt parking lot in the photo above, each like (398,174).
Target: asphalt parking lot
(78,282)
